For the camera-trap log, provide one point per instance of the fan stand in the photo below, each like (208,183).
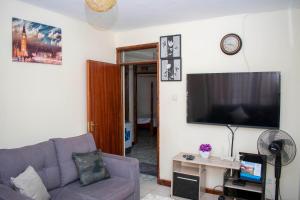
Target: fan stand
(277,174)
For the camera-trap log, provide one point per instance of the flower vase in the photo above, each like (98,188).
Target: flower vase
(204,154)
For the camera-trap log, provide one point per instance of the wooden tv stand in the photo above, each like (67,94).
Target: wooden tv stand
(248,191)
(251,190)
(189,175)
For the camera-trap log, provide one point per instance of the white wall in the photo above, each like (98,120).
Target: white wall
(40,101)
(144,95)
(271,42)
(131,93)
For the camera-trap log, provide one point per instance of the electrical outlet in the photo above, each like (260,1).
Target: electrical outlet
(174,97)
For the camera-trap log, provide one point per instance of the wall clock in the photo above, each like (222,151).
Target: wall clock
(231,44)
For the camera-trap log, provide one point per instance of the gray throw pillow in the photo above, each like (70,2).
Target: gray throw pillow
(90,167)
(30,184)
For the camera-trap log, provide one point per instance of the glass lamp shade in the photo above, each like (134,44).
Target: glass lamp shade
(100,5)
(102,20)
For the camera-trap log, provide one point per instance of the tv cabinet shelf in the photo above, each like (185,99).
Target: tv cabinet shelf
(189,176)
(252,187)
(188,170)
(211,162)
(250,190)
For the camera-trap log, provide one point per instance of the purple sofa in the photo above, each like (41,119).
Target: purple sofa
(52,161)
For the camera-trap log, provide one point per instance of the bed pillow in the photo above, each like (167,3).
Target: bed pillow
(90,167)
(30,184)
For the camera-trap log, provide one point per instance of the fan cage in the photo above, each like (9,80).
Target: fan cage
(288,152)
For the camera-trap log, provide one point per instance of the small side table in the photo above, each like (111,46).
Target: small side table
(189,176)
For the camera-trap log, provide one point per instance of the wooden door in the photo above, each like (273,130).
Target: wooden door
(104,106)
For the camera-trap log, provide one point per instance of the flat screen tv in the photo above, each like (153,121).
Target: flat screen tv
(249,99)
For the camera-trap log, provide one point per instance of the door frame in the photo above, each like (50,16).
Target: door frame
(119,50)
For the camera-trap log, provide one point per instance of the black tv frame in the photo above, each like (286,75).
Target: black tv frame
(240,125)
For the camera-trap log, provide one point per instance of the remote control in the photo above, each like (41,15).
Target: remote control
(189,157)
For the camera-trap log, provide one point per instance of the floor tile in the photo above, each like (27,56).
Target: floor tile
(148,185)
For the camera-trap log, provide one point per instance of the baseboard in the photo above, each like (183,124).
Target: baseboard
(164,182)
(213,191)
(207,190)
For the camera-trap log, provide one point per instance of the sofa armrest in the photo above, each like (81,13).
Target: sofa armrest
(124,167)
(7,193)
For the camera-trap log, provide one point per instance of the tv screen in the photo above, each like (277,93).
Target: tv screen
(250,171)
(242,99)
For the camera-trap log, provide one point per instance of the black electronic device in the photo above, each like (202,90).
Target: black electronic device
(249,181)
(253,167)
(249,99)
(186,186)
(188,157)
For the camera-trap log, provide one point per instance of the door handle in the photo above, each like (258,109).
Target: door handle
(91,126)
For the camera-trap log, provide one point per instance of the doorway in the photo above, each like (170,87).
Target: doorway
(140,66)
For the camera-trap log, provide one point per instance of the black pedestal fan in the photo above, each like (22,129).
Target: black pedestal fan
(280,149)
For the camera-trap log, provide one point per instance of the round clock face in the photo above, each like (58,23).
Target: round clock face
(231,44)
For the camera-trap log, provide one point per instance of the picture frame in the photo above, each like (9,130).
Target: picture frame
(171,69)
(170,46)
(33,42)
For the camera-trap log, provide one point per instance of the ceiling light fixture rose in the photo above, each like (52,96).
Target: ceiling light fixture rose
(101,5)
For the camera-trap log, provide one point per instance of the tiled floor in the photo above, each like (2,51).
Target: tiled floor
(148,184)
(145,149)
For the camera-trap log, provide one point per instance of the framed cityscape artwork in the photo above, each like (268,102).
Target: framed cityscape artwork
(36,43)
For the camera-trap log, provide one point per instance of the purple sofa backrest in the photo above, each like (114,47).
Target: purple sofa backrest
(64,149)
(41,156)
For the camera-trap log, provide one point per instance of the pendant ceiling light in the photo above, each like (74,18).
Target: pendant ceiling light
(100,5)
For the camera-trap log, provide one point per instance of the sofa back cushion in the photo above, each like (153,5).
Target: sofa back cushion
(64,149)
(41,156)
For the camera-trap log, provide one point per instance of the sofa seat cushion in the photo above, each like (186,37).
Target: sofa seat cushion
(64,149)
(41,156)
(115,188)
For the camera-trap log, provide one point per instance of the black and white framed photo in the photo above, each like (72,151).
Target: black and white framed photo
(171,69)
(170,46)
